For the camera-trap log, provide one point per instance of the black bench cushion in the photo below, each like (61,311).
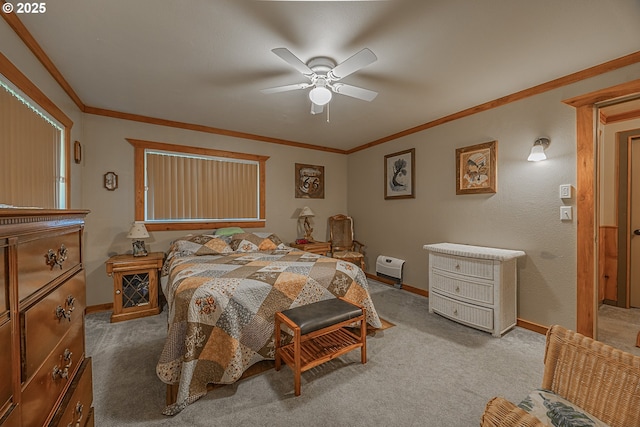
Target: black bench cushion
(321,314)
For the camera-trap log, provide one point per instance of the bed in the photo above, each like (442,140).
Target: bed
(222,294)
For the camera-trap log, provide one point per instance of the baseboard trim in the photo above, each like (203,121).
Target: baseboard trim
(532,326)
(99,308)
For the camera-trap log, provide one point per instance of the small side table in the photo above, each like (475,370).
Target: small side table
(320,248)
(135,285)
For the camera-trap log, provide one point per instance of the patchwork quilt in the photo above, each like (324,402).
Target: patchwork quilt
(222,295)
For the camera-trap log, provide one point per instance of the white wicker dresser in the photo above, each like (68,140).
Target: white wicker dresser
(474,285)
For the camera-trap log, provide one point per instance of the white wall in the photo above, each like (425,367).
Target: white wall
(524,214)
(105,149)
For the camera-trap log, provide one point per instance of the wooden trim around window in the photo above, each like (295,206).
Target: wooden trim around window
(140,146)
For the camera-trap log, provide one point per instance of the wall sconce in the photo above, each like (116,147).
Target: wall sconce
(537,151)
(305,213)
(138,232)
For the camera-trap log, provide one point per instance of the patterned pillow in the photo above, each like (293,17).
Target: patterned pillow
(253,242)
(201,244)
(553,410)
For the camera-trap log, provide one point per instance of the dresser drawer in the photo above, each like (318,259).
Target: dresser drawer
(42,391)
(76,404)
(474,267)
(44,259)
(476,292)
(11,418)
(5,361)
(46,323)
(476,316)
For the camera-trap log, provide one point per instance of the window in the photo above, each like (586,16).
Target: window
(179,187)
(33,165)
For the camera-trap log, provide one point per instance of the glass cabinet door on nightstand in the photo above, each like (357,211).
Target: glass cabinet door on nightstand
(135,289)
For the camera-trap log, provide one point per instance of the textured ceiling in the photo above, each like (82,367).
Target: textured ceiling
(205,61)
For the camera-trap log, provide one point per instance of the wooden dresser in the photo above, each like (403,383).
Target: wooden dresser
(474,285)
(46,378)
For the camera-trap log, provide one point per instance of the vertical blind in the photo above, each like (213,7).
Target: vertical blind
(30,164)
(183,187)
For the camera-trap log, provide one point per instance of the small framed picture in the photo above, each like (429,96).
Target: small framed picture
(110,181)
(77,152)
(399,175)
(476,168)
(309,181)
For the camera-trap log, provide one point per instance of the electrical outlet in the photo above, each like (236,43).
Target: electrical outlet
(565,191)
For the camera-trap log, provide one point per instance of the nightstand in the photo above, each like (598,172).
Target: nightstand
(135,285)
(320,248)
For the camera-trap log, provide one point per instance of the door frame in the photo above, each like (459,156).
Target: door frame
(586,239)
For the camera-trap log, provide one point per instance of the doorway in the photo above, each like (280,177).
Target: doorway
(618,216)
(586,256)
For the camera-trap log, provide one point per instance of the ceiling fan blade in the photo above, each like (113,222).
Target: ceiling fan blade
(286,88)
(353,64)
(292,60)
(316,109)
(354,91)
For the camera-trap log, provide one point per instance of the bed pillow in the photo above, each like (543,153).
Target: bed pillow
(201,244)
(228,231)
(253,242)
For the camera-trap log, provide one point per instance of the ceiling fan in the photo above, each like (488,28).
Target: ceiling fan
(324,76)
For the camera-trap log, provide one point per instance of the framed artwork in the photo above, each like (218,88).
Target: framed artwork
(476,170)
(110,181)
(309,181)
(399,175)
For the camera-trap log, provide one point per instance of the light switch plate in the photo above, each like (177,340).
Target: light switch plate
(565,191)
(566,213)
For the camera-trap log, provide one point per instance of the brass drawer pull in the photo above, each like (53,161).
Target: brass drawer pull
(77,413)
(63,373)
(61,313)
(57,258)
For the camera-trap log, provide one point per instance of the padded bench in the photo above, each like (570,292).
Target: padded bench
(319,335)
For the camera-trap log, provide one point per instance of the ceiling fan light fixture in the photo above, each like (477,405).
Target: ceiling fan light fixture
(320,95)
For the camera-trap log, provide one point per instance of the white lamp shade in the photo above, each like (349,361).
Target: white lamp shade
(320,95)
(306,211)
(537,154)
(138,231)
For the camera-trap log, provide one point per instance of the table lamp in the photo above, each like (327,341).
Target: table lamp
(138,232)
(305,213)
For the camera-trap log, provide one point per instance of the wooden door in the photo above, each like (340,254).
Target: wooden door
(634,222)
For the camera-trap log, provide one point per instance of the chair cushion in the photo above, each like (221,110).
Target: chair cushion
(347,254)
(321,314)
(553,410)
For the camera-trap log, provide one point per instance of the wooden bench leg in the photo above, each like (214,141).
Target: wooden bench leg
(363,337)
(297,371)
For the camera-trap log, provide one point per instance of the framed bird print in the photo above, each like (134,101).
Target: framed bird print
(399,175)
(476,170)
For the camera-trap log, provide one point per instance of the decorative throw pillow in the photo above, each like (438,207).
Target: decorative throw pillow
(253,242)
(201,244)
(553,410)
(228,231)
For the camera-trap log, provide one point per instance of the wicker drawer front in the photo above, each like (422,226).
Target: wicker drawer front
(77,402)
(44,388)
(479,292)
(47,322)
(37,266)
(474,267)
(479,317)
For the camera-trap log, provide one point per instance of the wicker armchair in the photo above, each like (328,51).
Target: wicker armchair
(601,380)
(343,245)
